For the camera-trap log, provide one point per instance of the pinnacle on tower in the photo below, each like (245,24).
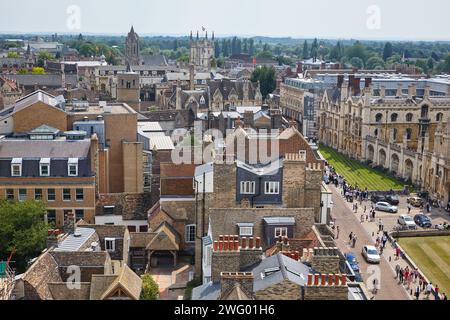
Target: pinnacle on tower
(197,35)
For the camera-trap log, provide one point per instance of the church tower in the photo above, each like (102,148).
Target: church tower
(132,48)
(202,51)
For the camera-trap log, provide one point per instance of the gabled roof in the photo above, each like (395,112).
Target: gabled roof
(45,129)
(167,238)
(127,281)
(236,292)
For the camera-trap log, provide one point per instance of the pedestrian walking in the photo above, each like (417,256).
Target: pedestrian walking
(436,292)
(400,278)
(362,217)
(417,293)
(337,232)
(409,208)
(444,296)
(397,253)
(428,290)
(397,271)
(354,241)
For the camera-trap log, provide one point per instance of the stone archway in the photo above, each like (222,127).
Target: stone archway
(382,157)
(395,161)
(409,169)
(370,152)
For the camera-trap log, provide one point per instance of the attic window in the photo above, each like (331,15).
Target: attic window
(202,100)
(16,167)
(269,271)
(110,244)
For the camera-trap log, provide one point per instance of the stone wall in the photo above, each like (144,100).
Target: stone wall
(325,260)
(131,206)
(326,287)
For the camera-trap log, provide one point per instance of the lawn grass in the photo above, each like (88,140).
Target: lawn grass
(432,256)
(359,174)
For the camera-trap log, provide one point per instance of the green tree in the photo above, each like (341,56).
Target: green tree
(357,62)
(375,63)
(314,49)
(13,54)
(267,79)
(150,289)
(305,54)
(387,51)
(357,50)
(251,47)
(22,227)
(44,56)
(37,70)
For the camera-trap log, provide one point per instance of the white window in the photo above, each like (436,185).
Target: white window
(247,187)
(110,244)
(44,167)
(190,233)
(246,231)
(281,232)
(272,187)
(16,167)
(72,167)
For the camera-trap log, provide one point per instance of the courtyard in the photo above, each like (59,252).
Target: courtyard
(359,174)
(432,256)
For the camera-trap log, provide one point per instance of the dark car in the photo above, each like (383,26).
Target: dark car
(422,221)
(352,261)
(378,198)
(392,199)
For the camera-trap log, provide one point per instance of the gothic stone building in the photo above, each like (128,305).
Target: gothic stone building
(202,51)
(405,133)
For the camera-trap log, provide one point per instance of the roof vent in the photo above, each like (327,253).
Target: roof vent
(77,234)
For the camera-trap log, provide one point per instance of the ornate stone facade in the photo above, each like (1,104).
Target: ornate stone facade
(406,134)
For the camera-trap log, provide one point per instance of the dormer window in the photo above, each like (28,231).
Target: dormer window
(110,244)
(44,167)
(16,167)
(247,187)
(272,187)
(72,167)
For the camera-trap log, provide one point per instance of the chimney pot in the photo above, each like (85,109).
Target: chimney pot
(324,279)
(221,238)
(216,245)
(258,243)
(225,245)
(236,245)
(330,279)
(244,243)
(221,245)
(336,279)
(316,279)
(344,279)
(310,279)
(250,243)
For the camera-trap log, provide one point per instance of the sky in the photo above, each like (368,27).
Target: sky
(333,19)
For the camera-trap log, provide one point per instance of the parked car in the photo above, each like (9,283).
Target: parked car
(377,198)
(422,221)
(384,206)
(415,201)
(352,261)
(370,253)
(405,220)
(392,199)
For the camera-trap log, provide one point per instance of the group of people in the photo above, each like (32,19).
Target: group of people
(407,277)
(352,239)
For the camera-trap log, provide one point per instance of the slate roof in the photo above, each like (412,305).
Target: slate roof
(47,80)
(226,86)
(15,148)
(154,59)
(288,269)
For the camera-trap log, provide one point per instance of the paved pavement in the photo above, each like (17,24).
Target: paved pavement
(348,222)
(166,277)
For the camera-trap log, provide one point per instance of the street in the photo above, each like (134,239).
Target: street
(350,222)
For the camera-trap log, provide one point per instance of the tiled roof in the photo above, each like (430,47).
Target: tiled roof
(47,80)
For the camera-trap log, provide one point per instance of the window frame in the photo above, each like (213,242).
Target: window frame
(7,195)
(82,194)
(247,187)
(113,247)
(63,194)
(272,185)
(26,194)
(18,165)
(280,233)
(188,233)
(53,194)
(41,194)
(246,234)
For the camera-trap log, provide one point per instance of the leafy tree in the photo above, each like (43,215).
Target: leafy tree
(375,62)
(251,47)
(13,54)
(150,289)
(305,54)
(22,71)
(357,50)
(37,70)
(22,227)
(336,52)
(44,56)
(430,64)
(267,79)
(265,54)
(357,62)
(387,51)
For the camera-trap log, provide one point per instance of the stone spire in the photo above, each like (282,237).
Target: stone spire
(213,36)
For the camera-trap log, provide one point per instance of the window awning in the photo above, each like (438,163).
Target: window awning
(45,161)
(73,160)
(244,224)
(16,161)
(285,221)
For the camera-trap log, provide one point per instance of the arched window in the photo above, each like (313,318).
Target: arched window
(394,117)
(408,134)
(376,132)
(378,117)
(409,117)
(439,117)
